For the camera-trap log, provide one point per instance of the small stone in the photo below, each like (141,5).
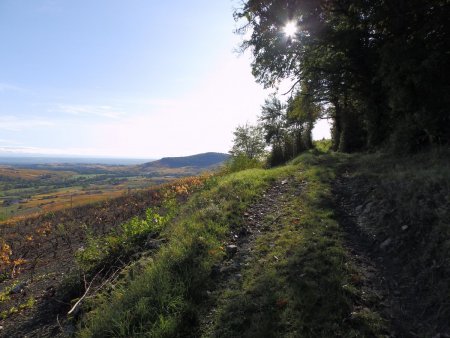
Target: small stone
(231,249)
(405,227)
(283,182)
(386,243)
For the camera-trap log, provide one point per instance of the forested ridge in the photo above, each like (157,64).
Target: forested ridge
(377,69)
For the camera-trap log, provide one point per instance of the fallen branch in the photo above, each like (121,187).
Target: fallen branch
(85,292)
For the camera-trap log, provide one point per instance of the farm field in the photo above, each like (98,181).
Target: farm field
(33,189)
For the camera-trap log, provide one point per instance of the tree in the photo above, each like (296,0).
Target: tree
(302,113)
(273,122)
(249,142)
(287,126)
(379,67)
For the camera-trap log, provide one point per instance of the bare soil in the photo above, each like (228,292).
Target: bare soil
(48,244)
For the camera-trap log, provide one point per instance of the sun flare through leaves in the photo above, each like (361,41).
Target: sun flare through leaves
(290,29)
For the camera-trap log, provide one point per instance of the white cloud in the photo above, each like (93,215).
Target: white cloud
(89,110)
(12,123)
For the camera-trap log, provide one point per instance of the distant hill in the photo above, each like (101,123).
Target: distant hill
(199,161)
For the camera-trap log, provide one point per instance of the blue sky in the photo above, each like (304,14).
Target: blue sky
(134,78)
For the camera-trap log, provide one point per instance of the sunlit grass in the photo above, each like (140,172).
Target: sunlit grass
(301,290)
(162,301)
(299,283)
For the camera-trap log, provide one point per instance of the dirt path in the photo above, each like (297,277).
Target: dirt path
(373,282)
(240,247)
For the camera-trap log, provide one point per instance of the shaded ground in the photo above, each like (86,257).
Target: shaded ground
(393,250)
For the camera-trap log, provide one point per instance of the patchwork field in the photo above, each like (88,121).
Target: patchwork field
(35,189)
(41,187)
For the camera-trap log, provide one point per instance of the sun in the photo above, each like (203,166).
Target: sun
(290,29)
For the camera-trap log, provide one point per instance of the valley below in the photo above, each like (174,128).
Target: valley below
(33,188)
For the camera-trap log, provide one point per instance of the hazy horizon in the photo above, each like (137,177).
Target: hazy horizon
(32,159)
(28,159)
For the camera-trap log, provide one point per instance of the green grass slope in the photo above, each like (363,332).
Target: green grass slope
(306,291)
(302,277)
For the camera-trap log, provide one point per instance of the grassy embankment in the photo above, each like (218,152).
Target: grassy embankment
(308,289)
(301,280)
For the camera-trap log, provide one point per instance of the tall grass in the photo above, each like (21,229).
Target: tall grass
(162,300)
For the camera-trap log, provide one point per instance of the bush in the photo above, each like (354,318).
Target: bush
(242,162)
(323,145)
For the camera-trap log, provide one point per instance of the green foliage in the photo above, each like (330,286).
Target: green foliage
(241,162)
(287,127)
(323,146)
(248,143)
(378,67)
(153,222)
(28,304)
(104,249)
